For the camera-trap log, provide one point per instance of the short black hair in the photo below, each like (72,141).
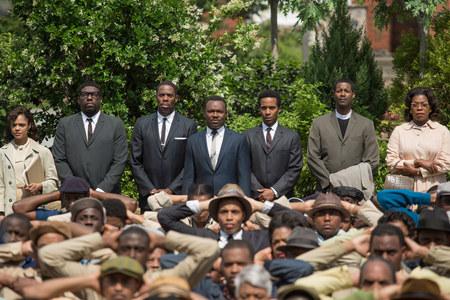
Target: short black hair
(214,98)
(376,258)
(89,83)
(344,80)
(427,92)
(389,230)
(270,94)
(289,219)
(115,208)
(18,216)
(134,229)
(239,244)
(169,83)
(12,116)
(392,216)
(198,189)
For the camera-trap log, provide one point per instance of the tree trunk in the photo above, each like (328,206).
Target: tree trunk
(423,43)
(274,27)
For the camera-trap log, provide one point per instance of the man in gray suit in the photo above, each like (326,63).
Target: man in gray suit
(276,156)
(90,144)
(341,138)
(158,146)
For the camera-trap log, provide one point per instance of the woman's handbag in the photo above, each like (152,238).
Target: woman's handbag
(398,182)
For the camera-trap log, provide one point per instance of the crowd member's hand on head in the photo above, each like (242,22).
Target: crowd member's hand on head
(27,249)
(250,226)
(256,205)
(133,218)
(415,250)
(262,256)
(110,235)
(156,240)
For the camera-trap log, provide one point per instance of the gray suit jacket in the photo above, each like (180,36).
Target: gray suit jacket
(278,166)
(330,152)
(100,161)
(156,167)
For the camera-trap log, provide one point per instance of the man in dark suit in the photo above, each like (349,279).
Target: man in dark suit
(275,152)
(158,146)
(230,209)
(217,156)
(90,144)
(341,138)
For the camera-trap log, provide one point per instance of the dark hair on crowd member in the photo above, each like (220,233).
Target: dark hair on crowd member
(388,230)
(288,219)
(89,83)
(134,229)
(393,216)
(427,92)
(198,189)
(239,244)
(344,80)
(376,258)
(18,216)
(169,83)
(270,94)
(12,116)
(115,208)
(214,98)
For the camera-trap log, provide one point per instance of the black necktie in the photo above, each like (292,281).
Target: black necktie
(268,137)
(89,133)
(213,148)
(163,132)
(230,237)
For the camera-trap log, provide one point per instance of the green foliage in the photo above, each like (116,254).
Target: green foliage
(344,53)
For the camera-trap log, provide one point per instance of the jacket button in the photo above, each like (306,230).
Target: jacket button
(9,167)
(10,200)
(10,182)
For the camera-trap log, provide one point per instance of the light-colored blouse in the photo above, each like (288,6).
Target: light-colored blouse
(409,142)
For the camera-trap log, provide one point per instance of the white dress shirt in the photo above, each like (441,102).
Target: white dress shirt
(168,124)
(86,123)
(223,237)
(272,132)
(219,139)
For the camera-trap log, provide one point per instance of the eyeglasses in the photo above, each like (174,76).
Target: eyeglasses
(85,95)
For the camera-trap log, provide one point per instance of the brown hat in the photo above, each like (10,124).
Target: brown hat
(328,201)
(423,289)
(301,237)
(227,192)
(61,228)
(164,287)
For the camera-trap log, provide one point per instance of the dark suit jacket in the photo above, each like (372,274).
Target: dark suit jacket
(100,161)
(152,166)
(170,219)
(233,164)
(278,166)
(330,152)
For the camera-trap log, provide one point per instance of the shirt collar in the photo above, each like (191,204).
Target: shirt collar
(169,117)
(236,235)
(220,131)
(429,123)
(94,117)
(343,117)
(274,126)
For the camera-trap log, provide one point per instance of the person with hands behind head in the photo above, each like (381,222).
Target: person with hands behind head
(26,167)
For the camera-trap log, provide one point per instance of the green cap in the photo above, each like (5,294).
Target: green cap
(123,265)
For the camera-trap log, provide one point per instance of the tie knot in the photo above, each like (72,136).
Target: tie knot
(269,129)
(90,120)
(230,237)
(164,119)
(213,132)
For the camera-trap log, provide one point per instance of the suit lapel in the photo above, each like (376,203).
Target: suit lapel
(98,127)
(80,127)
(335,125)
(173,129)
(260,138)
(204,149)
(350,126)
(223,148)
(278,136)
(154,131)
(9,153)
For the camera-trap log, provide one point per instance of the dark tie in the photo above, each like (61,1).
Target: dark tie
(230,237)
(213,148)
(89,133)
(268,137)
(163,132)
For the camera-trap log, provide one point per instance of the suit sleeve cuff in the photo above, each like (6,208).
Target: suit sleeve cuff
(275,192)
